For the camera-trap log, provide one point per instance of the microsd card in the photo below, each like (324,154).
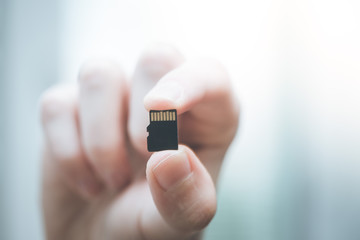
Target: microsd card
(162,130)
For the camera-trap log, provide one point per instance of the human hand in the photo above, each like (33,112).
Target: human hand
(99,181)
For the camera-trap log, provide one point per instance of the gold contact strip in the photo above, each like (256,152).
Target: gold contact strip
(163,116)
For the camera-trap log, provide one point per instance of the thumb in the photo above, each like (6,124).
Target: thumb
(182,189)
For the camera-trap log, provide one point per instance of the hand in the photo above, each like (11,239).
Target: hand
(99,181)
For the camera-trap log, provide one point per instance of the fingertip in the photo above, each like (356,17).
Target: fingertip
(169,168)
(158,58)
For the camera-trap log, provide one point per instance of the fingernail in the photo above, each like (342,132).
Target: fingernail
(171,91)
(172,170)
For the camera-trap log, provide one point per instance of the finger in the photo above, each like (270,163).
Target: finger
(182,190)
(154,63)
(201,89)
(59,121)
(103,111)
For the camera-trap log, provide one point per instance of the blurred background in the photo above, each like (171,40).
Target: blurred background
(293,171)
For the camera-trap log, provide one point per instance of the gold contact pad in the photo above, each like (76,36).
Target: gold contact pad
(163,116)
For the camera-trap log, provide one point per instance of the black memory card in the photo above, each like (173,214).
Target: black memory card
(162,130)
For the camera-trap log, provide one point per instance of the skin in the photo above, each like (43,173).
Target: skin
(99,181)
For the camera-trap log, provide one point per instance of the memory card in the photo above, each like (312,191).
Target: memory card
(163,133)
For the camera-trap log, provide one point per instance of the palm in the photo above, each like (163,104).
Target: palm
(133,207)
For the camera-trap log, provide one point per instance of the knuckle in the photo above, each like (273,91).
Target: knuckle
(54,102)
(216,65)
(220,75)
(93,73)
(158,59)
(214,74)
(66,155)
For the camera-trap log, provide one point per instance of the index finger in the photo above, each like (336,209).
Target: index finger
(202,93)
